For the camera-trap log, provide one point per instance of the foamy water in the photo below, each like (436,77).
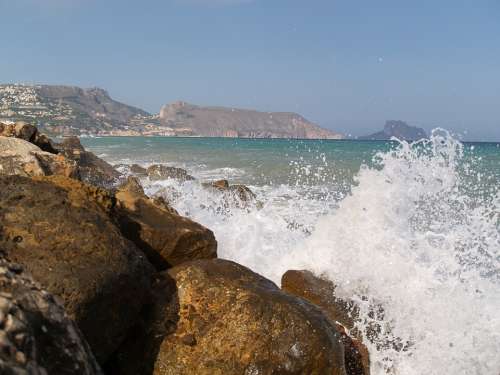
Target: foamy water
(417,236)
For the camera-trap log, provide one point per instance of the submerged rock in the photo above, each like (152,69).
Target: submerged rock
(60,230)
(159,231)
(36,335)
(234,195)
(162,172)
(321,292)
(93,170)
(20,157)
(218,317)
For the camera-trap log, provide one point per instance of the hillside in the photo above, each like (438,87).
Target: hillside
(231,122)
(67,109)
(398,129)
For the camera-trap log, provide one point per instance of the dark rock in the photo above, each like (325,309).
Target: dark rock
(242,192)
(234,195)
(36,336)
(160,232)
(398,129)
(93,170)
(137,170)
(217,317)
(321,292)
(60,230)
(162,172)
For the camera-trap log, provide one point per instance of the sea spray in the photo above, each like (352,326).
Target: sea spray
(416,237)
(408,239)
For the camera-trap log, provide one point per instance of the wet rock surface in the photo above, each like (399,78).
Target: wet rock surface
(321,292)
(218,317)
(36,335)
(163,172)
(60,230)
(164,236)
(235,195)
(93,170)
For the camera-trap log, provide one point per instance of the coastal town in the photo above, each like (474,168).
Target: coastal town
(63,114)
(73,111)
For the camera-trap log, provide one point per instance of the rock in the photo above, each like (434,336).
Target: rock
(93,170)
(132,185)
(162,172)
(36,336)
(60,230)
(218,317)
(221,184)
(242,192)
(19,157)
(321,292)
(159,231)
(137,170)
(234,195)
(27,133)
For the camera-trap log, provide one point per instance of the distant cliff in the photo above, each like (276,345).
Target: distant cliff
(67,110)
(398,129)
(232,122)
(70,110)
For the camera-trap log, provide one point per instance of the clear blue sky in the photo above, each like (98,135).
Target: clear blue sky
(348,65)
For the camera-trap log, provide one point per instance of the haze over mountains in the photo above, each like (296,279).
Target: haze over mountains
(70,110)
(67,110)
(398,129)
(232,122)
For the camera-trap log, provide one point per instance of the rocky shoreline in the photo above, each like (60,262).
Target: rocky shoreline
(98,278)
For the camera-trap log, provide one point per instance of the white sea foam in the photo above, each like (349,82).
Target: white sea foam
(417,237)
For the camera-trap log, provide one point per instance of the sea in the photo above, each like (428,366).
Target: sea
(411,230)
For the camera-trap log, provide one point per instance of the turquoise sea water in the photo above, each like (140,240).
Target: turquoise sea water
(268,161)
(413,229)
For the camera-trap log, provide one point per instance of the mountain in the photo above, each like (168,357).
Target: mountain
(66,109)
(70,110)
(398,129)
(232,122)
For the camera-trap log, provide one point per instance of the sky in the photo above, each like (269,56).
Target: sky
(347,65)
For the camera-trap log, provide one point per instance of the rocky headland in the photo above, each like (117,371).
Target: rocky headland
(98,278)
(234,122)
(69,110)
(398,129)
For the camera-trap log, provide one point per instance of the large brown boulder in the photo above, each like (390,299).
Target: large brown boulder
(20,157)
(321,292)
(60,230)
(36,335)
(159,231)
(27,133)
(93,170)
(218,317)
(163,172)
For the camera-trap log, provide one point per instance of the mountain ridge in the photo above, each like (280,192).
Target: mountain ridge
(71,110)
(398,129)
(217,121)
